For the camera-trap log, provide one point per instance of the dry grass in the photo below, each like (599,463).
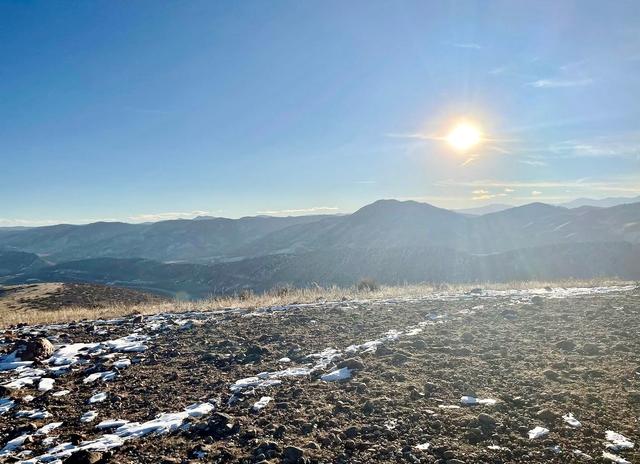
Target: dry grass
(9,316)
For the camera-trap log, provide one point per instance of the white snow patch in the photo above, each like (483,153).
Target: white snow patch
(13,445)
(617,442)
(614,458)
(337,375)
(46,384)
(497,448)
(537,432)
(61,393)
(21,382)
(122,363)
(112,423)
(33,413)
(107,375)
(89,416)
(261,403)
(473,401)
(11,361)
(6,404)
(423,446)
(164,423)
(252,382)
(98,397)
(571,421)
(48,428)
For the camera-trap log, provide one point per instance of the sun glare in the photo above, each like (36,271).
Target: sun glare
(464,136)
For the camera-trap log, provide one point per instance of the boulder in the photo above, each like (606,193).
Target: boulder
(35,349)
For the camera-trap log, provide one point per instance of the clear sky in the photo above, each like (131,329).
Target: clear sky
(139,110)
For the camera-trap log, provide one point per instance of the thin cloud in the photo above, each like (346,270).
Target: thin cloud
(468,45)
(559,83)
(8,222)
(315,209)
(608,146)
(531,162)
(536,193)
(154,217)
(629,185)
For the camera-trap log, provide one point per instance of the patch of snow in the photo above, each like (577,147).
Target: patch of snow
(105,376)
(582,455)
(6,404)
(33,413)
(617,442)
(473,401)
(122,363)
(45,384)
(261,403)
(337,375)
(112,423)
(289,372)
(423,446)
(48,428)
(89,416)
(252,382)
(571,421)
(13,445)
(11,361)
(538,432)
(21,382)
(614,458)
(284,360)
(61,393)
(98,397)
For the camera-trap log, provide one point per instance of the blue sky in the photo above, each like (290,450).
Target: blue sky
(136,111)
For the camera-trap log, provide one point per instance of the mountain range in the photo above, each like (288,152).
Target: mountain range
(391,241)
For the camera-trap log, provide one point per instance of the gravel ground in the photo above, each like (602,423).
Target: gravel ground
(539,355)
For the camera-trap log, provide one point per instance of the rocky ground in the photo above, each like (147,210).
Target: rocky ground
(489,377)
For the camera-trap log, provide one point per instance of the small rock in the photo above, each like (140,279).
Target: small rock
(566,345)
(547,416)
(351,432)
(486,420)
(474,435)
(537,300)
(222,425)
(84,457)
(351,363)
(292,454)
(634,397)
(551,375)
(590,349)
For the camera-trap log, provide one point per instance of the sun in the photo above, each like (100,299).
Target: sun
(464,136)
